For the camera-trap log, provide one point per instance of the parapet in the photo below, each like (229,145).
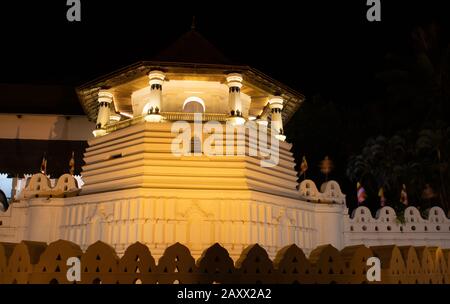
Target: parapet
(39,185)
(330,192)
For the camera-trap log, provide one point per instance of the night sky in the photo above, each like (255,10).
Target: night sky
(325,48)
(313,46)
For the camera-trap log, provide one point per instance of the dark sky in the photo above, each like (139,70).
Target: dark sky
(313,46)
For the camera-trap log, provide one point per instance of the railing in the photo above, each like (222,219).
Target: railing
(174,116)
(169,116)
(125,123)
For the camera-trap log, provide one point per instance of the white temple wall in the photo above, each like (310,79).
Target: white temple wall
(329,223)
(194,218)
(199,219)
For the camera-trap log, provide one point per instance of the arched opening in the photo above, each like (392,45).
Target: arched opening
(194,105)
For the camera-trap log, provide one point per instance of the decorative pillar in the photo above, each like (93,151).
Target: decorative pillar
(276,105)
(234,82)
(104,99)
(152,109)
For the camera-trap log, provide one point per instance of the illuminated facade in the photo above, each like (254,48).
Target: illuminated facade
(137,189)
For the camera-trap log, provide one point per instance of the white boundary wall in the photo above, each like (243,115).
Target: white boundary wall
(121,218)
(386,229)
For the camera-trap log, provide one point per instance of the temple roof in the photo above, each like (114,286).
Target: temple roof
(190,57)
(192,47)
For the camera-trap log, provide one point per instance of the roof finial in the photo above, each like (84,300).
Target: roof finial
(193,23)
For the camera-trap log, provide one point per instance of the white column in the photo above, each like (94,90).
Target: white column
(152,109)
(104,99)
(234,82)
(276,106)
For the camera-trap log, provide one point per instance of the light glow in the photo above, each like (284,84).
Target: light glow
(126,114)
(153,118)
(99,132)
(280,137)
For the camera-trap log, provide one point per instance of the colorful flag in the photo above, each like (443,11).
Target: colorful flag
(404,196)
(428,192)
(303,167)
(326,166)
(72,164)
(382,197)
(361,193)
(44,165)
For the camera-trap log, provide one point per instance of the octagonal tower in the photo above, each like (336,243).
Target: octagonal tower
(188,148)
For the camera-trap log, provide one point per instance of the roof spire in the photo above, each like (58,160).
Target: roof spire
(193,23)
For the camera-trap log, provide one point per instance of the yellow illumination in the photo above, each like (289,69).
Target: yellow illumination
(237,121)
(280,137)
(153,118)
(126,114)
(99,132)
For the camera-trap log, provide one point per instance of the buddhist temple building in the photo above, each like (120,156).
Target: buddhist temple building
(188,147)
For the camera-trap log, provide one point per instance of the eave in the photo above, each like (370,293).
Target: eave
(253,79)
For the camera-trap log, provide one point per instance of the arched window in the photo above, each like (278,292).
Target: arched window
(196,145)
(194,105)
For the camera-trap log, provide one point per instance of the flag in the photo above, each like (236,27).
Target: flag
(303,167)
(44,165)
(72,164)
(326,166)
(404,196)
(361,193)
(382,197)
(428,192)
